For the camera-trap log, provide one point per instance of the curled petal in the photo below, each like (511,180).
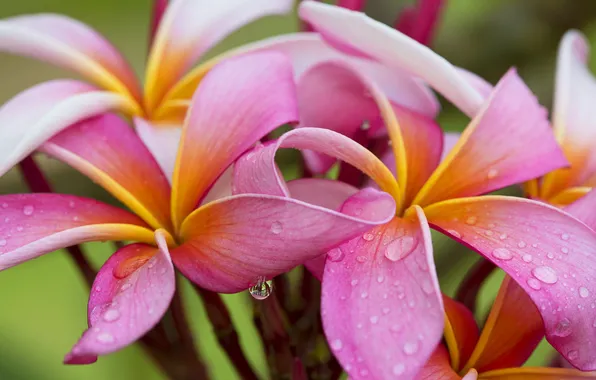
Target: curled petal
(130,294)
(381,305)
(71,44)
(239,102)
(35,224)
(108,151)
(230,243)
(40,112)
(189,28)
(493,150)
(550,254)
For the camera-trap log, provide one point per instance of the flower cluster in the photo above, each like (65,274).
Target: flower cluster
(193,163)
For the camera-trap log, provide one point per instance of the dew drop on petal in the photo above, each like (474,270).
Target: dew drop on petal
(380,279)
(584,292)
(71,204)
(534,283)
(563,328)
(527,258)
(125,286)
(363,295)
(399,369)
(374,319)
(471,220)
(368,236)
(105,337)
(4,205)
(400,248)
(361,259)
(550,255)
(261,290)
(28,210)
(276,228)
(3,242)
(545,274)
(503,236)
(522,244)
(337,345)
(565,236)
(354,282)
(492,173)
(502,254)
(565,250)
(19,228)
(410,348)
(573,355)
(454,233)
(111,315)
(335,255)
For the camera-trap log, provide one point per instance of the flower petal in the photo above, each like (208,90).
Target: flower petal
(438,367)
(493,151)
(550,254)
(511,333)
(529,373)
(583,209)
(461,332)
(40,112)
(450,139)
(239,102)
(130,294)
(573,115)
(35,224)
(189,28)
(357,34)
(308,49)
(381,304)
(108,151)
(230,243)
(162,141)
(69,43)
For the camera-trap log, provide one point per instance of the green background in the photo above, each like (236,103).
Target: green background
(43,303)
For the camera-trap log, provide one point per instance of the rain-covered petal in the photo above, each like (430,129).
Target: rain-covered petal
(461,332)
(189,28)
(308,49)
(239,102)
(584,209)
(511,332)
(381,304)
(107,150)
(162,140)
(357,34)
(69,43)
(493,150)
(130,294)
(550,254)
(35,115)
(34,224)
(230,243)
(573,115)
(537,373)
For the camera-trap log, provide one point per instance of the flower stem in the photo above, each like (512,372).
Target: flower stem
(226,333)
(38,183)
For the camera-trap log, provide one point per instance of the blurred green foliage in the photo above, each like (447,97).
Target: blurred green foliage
(43,303)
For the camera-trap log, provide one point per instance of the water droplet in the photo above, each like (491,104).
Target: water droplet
(584,292)
(427,287)
(522,244)
(550,255)
(28,210)
(363,295)
(4,205)
(151,310)
(563,328)
(454,233)
(71,204)
(488,233)
(335,255)
(357,211)
(386,310)
(399,369)
(3,242)
(361,259)
(380,279)
(400,248)
(471,220)
(503,236)
(337,345)
(98,288)
(527,258)
(502,254)
(105,338)
(368,237)
(276,228)
(374,319)
(111,315)
(573,355)
(492,173)
(125,286)
(261,290)
(363,372)
(565,250)
(545,274)
(410,348)
(534,284)
(19,228)
(354,282)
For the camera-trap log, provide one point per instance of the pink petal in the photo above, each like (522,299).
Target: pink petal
(34,224)
(354,32)
(189,28)
(308,49)
(483,87)
(230,243)
(122,309)
(450,139)
(40,112)
(574,114)
(583,209)
(438,367)
(108,151)
(69,43)
(551,255)
(162,140)
(381,304)
(493,151)
(239,102)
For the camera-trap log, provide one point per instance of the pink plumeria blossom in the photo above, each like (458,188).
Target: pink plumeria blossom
(224,245)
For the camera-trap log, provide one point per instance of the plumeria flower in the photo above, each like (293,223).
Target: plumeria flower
(381,305)
(226,244)
(510,334)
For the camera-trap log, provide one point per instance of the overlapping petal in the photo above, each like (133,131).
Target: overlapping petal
(239,102)
(108,151)
(573,115)
(162,141)
(461,332)
(34,224)
(40,112)
(68,43)
(230,243)
(438,367)
(357,34)
(130,294)
(189,28)
(550,254)
(381,304)
(584,209)
(493,150)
